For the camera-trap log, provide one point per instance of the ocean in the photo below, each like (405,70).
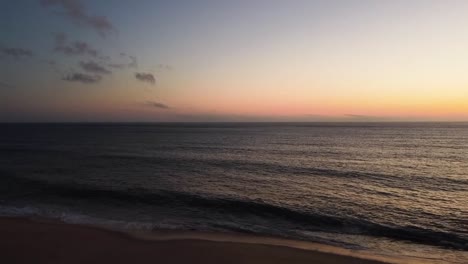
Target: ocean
(391,189)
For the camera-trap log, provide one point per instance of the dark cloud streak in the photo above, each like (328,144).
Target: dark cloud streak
(132,64)
(355,116)
(16,53)
(83,78)
(117,66)
(156,105)
(6,85)
(74,48)
(76,11)
(94,67)
(145,77)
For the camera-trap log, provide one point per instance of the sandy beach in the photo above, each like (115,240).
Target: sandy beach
(27,241)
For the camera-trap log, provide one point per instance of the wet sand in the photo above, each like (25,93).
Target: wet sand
(26,241)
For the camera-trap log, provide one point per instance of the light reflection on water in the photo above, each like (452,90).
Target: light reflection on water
(388,188)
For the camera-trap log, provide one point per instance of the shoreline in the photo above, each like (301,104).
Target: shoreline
(41,240)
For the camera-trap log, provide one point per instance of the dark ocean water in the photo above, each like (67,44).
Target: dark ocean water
(387,188)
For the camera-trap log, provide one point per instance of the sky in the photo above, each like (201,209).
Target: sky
(244,60)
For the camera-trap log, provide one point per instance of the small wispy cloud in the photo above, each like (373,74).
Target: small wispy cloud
(16,53)
(94,67)
(358,116)
(145,77)
(367,118)
(74,48)
(83,78)
(6,85)
(156,105)
(105,58)
(50,62)
(165,67)
(117,65)
(76,11)
(131,64)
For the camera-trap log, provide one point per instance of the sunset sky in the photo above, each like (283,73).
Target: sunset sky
(245,60)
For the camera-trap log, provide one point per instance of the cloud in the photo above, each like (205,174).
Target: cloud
(117,65)
(165,67)
(105,58)
(6,85)
(74,48)
(367,118)
(83,78)
(132,64)
(16,53)
(94,67)
(76,11)
(354,116)
(145,77)
(51,62)
(156,105)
